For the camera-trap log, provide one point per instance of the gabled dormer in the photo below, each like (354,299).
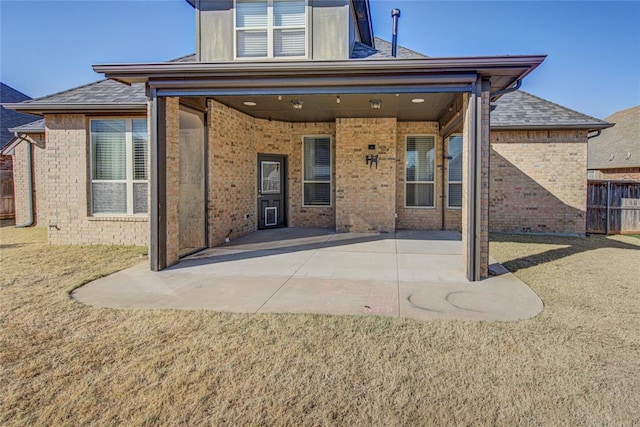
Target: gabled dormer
(280,30)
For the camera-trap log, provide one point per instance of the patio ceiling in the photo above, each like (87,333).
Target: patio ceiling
(325,108)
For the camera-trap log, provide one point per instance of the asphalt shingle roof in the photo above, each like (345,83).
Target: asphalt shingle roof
(383,51)
(619,146)
(522,110)
(36,126)
(9,118)
(100,92)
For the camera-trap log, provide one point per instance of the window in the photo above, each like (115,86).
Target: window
(271,28)
(119,166)
(420,171)
(454,152)
(317,171)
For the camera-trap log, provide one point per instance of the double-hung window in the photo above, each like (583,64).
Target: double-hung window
(454,154)
(316,171)
(119,166)
(420,171)
(271,28)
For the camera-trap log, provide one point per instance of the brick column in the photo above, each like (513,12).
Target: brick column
(365,196)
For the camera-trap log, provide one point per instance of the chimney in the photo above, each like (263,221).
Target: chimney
(395,14)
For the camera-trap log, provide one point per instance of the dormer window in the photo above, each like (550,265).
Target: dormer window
(271,28)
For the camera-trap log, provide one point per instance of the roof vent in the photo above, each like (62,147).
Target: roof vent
(395,14)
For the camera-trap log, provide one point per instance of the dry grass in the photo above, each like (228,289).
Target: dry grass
(63,363)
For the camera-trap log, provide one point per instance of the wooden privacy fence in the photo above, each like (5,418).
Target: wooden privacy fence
(7,209)
(613,207)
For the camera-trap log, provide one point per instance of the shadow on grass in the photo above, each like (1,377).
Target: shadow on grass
(572,246)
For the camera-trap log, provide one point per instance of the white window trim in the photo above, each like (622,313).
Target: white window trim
(453,208)
(330,205)
(129,181)
(435,168)
(270,28)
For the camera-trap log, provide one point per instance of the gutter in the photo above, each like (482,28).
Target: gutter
(499,93)
(31,220)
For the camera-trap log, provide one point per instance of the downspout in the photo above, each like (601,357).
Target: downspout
(507,90)
(31,220)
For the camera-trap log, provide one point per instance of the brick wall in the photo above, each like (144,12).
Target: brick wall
(287,139)
(232,173)
(538,181)
(620,174)
(414,218)
(365,196)
(66,185)
(21,183)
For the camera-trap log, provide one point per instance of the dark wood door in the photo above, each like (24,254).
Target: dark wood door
(272,192)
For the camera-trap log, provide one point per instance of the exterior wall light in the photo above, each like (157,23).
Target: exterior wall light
(297,104)
(375,104)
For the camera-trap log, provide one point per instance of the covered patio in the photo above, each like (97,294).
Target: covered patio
(412,274)
(212,126)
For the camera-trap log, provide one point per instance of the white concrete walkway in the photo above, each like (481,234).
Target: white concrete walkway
(412,274)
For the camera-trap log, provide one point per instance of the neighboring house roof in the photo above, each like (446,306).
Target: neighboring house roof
(103,95)
(10,118)
(23,133)
(521,110)
(36,126)
(619,146)
(383,51)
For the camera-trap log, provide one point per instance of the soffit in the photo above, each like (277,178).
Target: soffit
(324,108)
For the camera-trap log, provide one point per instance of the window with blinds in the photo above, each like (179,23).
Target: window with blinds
(316,170)
(454,152)
(420,171)
(271,28)
(119,166)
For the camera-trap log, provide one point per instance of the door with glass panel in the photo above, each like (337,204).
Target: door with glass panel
(191,187)
(271,191)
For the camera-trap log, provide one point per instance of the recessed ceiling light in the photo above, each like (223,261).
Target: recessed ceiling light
(249,103)
(417,100)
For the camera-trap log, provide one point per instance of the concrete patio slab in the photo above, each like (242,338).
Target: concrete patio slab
(408,274)
(328,296)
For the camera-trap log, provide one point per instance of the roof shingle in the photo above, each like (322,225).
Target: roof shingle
(521,110)
(619,146)
(9,118)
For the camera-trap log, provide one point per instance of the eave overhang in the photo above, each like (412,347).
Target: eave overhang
(586,126)
(52,108)
(338,77)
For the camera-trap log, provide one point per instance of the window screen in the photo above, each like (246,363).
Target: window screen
(317,171)
(420,171)
(120,166)
(454,152)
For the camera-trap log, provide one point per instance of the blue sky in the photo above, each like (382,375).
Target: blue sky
(593,64)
